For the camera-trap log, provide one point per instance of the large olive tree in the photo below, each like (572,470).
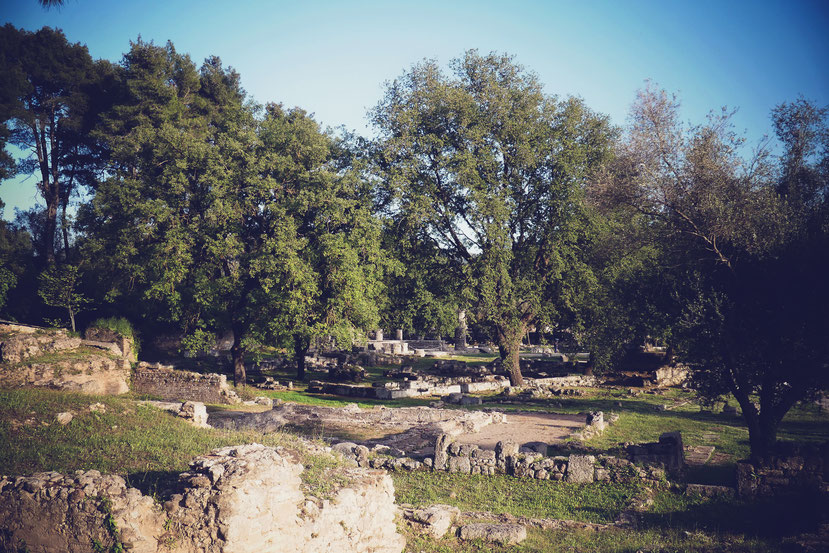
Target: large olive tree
(491,169)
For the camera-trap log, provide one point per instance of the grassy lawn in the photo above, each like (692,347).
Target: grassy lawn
(598,502)
(145,444)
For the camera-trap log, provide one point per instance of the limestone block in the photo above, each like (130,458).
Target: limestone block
(460,465)
(436,519)
(504,534)
(580,469)
(441,454)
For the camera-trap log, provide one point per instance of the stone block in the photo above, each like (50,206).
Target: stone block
(460,465)
(580,469)
(504,534)
(441,454)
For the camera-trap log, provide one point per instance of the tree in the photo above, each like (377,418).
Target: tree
(49,101)
(58,288)
(423,293)
(331,276)
(222,217)
(491,169)
(744,242)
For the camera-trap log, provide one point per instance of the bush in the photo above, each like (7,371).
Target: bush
(120,325)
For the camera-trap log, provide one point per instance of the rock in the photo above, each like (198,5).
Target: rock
(195,412)
(436,519)
(504,534)
(262,400)
(64,418)
(98,408)
(344,448)
(441,455)
(454,397)
(504,450)
(580,469)
(459,464)
(470,400)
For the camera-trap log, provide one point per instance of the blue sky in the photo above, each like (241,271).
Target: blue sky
(331,58)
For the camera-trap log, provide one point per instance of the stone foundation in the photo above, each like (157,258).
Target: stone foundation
(237,499)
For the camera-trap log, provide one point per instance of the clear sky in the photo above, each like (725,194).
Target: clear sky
(332,57)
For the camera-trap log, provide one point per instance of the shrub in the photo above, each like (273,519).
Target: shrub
(120,325)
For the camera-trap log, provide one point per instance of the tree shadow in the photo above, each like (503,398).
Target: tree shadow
(767,518)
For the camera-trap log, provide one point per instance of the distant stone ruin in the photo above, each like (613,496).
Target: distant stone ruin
(167,383)
(237,499)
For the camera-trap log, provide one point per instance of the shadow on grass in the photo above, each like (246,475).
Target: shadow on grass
(765,518)
(159,484)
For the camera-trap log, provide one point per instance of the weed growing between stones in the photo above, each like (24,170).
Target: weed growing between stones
(111,527)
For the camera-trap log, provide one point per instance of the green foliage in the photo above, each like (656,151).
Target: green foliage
(120,325)
(741,246)
(226,216)
(51,95)
(58,288)
(483,165)
(116,324)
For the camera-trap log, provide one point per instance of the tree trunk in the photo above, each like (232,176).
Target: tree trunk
(762,435)
(509,345)
(72,319)
(50,228)
(301,345)
(588,368)
(670,353)
(64,227)
(237,354)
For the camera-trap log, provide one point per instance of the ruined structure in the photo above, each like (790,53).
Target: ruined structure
(237,499)
(170,384)
(52,358)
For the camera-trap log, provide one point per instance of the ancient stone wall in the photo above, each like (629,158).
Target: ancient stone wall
(20,342)
(51,358)
(238,499)
(91,373)
(125,347)
(170,384)
(796,472)
(508,458)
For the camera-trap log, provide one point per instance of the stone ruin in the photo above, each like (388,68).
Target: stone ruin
(96,367)
(237,499)
(668,451)
(169,383)
(646,367)
(508,458)
(791,470)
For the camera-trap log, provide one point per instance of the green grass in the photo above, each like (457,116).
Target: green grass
(588,541)
(147,445)
(598,502)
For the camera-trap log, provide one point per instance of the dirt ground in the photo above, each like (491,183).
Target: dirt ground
(526,429)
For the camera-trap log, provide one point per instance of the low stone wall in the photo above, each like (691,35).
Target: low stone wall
(508,458)
(668,451)
(170,384)
(796,472)
(671,375)
(237,499)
